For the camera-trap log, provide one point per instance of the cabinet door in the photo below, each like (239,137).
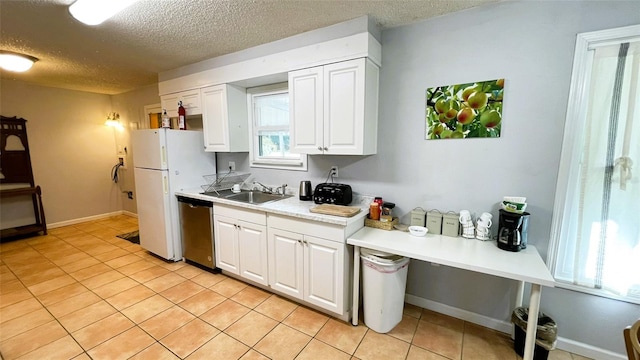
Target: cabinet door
(215,121)
(344,104)
(306,110)
(286,270)
(324,273)
(169,102)
(191,102)
(226,242)
(252,241)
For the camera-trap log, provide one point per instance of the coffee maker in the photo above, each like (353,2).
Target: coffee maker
(512,230)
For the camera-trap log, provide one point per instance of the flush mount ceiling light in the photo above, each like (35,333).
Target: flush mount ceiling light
(94,12)
(11,61)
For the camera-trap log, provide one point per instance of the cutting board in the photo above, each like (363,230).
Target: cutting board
(336,210)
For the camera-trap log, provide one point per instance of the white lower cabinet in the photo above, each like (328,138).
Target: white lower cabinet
(286,263)
(226,244)
(241,245)
(300,259)
(252,241)
(308,268)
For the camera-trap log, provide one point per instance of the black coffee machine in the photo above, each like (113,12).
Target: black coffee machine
(512,232)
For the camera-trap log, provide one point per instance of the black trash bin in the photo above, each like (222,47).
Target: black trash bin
(546,333)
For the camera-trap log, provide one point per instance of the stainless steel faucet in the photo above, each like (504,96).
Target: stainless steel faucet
(265,188)
(281,190)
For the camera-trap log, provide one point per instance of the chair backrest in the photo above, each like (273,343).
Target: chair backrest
(632,340)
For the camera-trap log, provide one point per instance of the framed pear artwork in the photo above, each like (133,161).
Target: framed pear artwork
(471,110)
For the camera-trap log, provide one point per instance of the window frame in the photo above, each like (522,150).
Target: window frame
(255,160)
(573,142)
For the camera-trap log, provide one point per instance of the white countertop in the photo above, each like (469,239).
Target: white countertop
(291,206)
(469,254)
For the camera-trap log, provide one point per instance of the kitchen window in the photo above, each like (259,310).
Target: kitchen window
(595,237)
(270,145)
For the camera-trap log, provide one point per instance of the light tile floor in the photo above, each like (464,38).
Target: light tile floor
(83,293)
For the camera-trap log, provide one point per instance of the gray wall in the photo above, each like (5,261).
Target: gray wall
(130,106)
(72,151)
(531,45)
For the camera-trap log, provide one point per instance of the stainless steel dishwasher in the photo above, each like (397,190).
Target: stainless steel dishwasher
(196,226)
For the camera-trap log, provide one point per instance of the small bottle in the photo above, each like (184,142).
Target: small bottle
(374,211)
(166,120)
(182,123)
(378,200)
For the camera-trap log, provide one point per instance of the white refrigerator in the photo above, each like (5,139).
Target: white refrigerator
(166,161)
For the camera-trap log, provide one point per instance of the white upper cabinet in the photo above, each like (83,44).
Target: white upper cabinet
(224,118)
(306,119)
(191,102)
(333,108)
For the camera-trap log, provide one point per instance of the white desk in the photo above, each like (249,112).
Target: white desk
(468,254)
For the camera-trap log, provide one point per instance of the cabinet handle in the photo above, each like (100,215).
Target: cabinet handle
(326,149)
(320,148)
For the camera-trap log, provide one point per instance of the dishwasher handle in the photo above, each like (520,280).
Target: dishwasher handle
(195,203)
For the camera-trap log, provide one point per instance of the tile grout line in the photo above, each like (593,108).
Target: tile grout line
(55,318)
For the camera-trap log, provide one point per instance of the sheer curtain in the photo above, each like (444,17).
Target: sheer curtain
(600,242)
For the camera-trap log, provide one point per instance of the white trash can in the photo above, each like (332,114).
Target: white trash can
(384,280)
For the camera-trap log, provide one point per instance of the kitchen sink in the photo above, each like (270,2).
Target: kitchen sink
(256,197)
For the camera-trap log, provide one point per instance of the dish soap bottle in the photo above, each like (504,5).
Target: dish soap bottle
(166,121)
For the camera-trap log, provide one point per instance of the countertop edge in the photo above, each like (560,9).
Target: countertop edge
(287,207)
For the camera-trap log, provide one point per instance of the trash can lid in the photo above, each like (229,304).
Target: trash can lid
(380,256)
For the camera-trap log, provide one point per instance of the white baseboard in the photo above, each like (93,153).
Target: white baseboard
(586,350)
(129,213)
(465,315)
(88,218)
(507,328)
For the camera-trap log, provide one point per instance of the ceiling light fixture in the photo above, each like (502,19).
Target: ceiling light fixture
(11,61)
(94,12)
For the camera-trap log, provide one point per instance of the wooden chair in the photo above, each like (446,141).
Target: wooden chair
(632,340)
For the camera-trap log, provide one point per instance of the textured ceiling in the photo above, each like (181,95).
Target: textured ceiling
(130,49)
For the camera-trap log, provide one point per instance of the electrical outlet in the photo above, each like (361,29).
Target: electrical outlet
(130,194)
(122,161)
(334,171)
(232,165)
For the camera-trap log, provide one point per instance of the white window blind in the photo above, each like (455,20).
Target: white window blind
(596,230)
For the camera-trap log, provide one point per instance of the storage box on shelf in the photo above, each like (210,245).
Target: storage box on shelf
(384,225)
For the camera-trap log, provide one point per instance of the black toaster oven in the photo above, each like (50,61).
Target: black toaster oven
(333,193)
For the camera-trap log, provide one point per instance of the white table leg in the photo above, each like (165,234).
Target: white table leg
(532,323)
(356,285)
(520,293)
(518,303)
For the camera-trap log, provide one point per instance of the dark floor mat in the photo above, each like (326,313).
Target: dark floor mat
(133,236)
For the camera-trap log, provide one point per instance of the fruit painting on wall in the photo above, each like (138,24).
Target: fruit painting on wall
(472,110)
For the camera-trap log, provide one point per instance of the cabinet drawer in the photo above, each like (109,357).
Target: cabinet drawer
(252,216)
(326,231)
